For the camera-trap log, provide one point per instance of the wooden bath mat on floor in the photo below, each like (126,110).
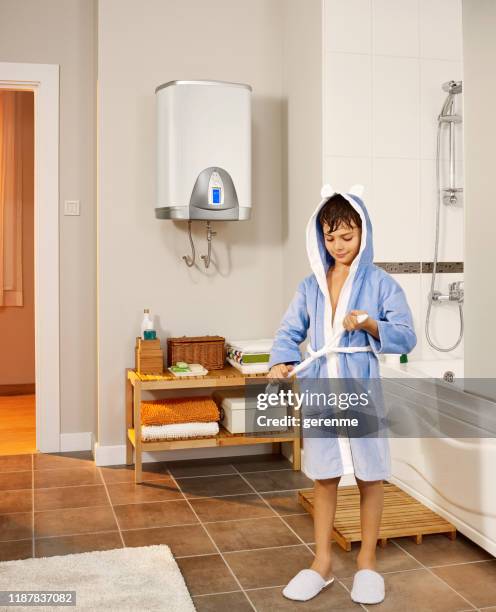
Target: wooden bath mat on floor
(402,516)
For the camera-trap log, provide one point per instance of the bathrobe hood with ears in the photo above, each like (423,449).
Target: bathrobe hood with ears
(309,316)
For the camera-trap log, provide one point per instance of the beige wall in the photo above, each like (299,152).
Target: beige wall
(302,134)
(272,44)
(479,48)
(140,262)
(17,322)
(63,32)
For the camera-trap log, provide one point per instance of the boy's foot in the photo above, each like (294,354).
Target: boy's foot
(305,585)
(323,567)
(368,587)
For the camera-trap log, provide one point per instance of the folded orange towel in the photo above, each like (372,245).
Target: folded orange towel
(179,410)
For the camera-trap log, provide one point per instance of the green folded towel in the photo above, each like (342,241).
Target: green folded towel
(255,358)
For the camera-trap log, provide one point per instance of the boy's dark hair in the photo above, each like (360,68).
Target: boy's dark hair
(336,211)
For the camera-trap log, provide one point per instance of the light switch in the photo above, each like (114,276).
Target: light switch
(71,207)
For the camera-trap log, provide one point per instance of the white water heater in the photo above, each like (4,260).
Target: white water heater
(203,150)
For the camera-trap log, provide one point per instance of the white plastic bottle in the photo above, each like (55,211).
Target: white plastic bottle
(147,323)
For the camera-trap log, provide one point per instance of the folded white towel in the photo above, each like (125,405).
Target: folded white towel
(262,345)
(179,430)
(249,368)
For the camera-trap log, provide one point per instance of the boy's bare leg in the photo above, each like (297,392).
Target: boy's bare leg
(371,504)
(324,510)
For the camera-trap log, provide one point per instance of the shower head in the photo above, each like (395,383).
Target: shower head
(453,87)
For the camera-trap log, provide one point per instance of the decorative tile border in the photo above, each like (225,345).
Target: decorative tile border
(443,266)
(416,267)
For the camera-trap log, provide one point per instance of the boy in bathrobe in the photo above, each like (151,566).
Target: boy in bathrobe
(344,284)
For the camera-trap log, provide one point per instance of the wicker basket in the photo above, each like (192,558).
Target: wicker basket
(207,350)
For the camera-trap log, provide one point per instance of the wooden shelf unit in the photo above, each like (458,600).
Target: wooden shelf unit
(215,379)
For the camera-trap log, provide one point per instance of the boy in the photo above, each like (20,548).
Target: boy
(345,283)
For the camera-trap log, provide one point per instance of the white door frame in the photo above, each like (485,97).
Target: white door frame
(43,80)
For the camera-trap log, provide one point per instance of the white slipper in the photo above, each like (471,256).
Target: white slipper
(368,587)
(305,585)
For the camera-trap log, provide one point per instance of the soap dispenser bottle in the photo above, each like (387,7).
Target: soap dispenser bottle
(147,323)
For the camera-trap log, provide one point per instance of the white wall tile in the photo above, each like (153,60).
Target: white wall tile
(347,105)
(343,172)
(433,73)
(395,214)
(347,26)
(441,29)
(395,122)
(444,321)
(451,218)
(395,27)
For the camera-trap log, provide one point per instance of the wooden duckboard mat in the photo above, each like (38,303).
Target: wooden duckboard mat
(402,516)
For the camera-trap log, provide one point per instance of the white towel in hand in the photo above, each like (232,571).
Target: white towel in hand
(179,430)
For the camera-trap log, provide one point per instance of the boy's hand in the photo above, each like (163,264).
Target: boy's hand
(350,322)
(280,370)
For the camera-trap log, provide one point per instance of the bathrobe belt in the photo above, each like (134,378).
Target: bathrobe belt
(328,348)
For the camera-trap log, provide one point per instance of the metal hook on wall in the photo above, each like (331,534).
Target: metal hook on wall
(190,261)
(210,234)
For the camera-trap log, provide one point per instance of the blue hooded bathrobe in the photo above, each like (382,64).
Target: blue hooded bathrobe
(367,288)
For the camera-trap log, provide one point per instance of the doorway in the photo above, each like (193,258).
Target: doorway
(17,348)
(29,277)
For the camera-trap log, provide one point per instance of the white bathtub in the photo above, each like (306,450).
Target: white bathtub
(432,368)
(453,476)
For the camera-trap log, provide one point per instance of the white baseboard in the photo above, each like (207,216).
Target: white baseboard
(116,455)
(80,441)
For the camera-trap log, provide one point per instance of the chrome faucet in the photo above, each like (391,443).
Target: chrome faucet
(456,293)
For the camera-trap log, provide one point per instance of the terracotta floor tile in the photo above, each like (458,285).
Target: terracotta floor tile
(10,481)
(234,602)
(66,477)
(15,463)
(184,540)
(17,526)
(87,542)
(209,486)
(233,506)
(303,525)
(73,460)
(279,480)
(72,521)
(262,463)
(55,498)
(154,514)
(268,567)
(205,467)
(125,473)
(207,574)
(417,591)
(334,597)
(149,491)
(250,534)
(20,549)
(440,550)
(16,501)
(284,502)
(475,581)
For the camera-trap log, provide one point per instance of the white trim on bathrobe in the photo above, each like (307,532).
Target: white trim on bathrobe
(329,328)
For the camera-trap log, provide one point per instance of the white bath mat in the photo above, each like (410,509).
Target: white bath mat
(141,578)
